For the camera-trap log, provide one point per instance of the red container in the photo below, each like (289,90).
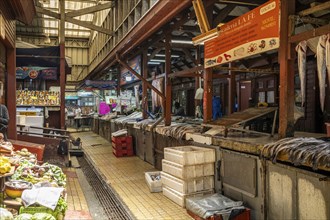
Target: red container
(122,152)
(122,142)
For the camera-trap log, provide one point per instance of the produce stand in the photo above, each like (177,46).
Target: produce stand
(25,183)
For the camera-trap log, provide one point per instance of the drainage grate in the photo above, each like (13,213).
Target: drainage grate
(111,204)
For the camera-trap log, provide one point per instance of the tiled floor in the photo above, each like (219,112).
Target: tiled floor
(126,177)
(77,205)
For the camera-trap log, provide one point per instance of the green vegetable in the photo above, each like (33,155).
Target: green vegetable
(61,206)
(43,216)
(24,216)
(5,214)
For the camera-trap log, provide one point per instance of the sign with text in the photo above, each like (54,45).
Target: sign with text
(126,76)
(45,73)
(252,33)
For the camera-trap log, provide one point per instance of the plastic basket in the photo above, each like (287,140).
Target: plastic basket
(40,209)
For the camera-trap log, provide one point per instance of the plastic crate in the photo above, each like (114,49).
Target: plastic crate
(38,209)
(154,185)
(188,172)
(189,155)
(122,152)
(188,186)
(180,198)
(122,142)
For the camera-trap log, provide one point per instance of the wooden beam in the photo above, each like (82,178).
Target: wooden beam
(125,65)
(232,90)
(310,34)
(223,14)
(189,75)
(286,59)
(236,69)
(89,10)
(317,8)
(207,99)
(168,84)
(62,62)
(11,92)
(220,76)
(153,54)
(188,55)
(144,85)
(89,25)
(205,36)
(317,21)
(187,71)
(48,12)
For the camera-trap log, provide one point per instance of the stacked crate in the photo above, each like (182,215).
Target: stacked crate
(187,171)
(122,146)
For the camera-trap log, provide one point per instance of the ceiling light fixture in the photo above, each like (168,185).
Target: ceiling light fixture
(153,63)
(181,42)
(157,60)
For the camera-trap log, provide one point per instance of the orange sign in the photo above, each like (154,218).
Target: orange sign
(252,33)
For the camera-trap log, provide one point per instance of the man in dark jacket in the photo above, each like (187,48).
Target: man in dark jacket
(4,119)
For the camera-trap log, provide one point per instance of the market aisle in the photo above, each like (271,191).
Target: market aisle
(77,205)
(126,177)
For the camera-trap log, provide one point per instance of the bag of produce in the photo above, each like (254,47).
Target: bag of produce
(5,214)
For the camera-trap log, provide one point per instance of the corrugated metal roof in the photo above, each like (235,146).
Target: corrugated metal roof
(51,26)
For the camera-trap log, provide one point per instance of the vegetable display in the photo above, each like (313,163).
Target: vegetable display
(45,173)
(36,216)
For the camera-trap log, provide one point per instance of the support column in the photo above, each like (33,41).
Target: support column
(118,80)
(286,60)
(62,62)
(168,84)
(11,92)
(232,90)
(197,83)
(144,85)
(207,99)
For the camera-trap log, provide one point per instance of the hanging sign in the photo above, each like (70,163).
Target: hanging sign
(45,73)
(252,33)
(126,76)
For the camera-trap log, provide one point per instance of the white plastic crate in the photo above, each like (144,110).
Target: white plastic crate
(180,198)
(154,185)
(189,155)
(189,185)
(187,172)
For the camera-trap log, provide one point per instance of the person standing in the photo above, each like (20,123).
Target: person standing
(4,119)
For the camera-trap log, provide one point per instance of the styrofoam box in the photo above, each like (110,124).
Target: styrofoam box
(189,155)
(154,186)
(180,198)
(187,172)
(189,185)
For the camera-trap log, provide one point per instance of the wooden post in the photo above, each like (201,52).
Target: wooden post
(207,99)
(144,86)
(197,81)
(11,92)
(118,81)
(232,90)
(168,85)
(62,63)
(286,60)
